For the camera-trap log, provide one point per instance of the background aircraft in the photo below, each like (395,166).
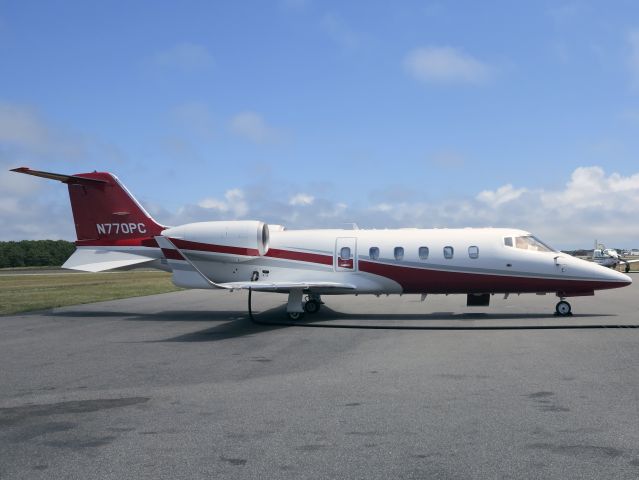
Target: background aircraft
(609,257)
(115,231)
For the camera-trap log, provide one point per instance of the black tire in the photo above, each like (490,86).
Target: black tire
(627,267)
(563,309)
(311,307)
(295,316)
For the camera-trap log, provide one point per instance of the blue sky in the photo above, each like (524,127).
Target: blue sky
(319,113)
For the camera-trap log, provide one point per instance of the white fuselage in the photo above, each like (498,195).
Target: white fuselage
(389,261)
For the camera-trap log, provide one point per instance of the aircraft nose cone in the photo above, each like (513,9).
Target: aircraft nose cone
(620,278)
(609,277)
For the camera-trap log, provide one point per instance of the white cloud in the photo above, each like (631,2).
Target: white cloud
(590,188)
(301,199)
(21,125)
(195,118)
(500,196)
(32,208)
(251,125)
(23,129)
(445,65)
(13,184)
(333,210)
(234,203)
(633,57)
(184,56)
(338,30)
(447,159)
(592,204)
(382,207)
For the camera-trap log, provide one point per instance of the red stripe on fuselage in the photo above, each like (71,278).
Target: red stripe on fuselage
(423,280)
(300,256)
(251,252)
(211,247)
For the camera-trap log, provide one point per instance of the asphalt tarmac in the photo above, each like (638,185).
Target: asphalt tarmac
(183,385)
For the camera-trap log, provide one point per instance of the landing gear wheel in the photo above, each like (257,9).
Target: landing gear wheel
(294,316)
(627,267)
(312,306)
(563,309)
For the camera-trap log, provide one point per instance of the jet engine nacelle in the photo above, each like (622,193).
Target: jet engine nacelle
(241,237)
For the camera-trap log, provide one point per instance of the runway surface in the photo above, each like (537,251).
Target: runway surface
(182,385)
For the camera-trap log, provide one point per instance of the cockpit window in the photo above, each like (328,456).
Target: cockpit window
(508,241)
(529,242)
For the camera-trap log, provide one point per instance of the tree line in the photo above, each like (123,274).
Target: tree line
(35,253)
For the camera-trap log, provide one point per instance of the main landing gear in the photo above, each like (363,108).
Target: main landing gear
(313,304)
(296,308)
(563,309)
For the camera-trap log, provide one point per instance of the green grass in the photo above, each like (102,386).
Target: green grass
(23,293)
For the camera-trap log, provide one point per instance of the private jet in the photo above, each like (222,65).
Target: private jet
(115,232)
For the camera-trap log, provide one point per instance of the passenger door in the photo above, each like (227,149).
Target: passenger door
(345,254)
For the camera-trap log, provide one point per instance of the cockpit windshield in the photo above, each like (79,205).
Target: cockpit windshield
(528,242)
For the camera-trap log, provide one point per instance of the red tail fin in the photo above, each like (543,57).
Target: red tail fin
(104,211)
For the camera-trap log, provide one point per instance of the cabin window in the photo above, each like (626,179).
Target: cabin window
(373,253)
(423,253)
(449,252)
(345,253)
(399,253)
(508,241)
(473,252)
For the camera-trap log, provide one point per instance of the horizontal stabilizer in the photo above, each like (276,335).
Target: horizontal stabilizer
(69,179)
(92,260)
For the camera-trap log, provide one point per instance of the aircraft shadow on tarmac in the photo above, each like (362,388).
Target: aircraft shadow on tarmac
(275,318)
(230,323)
(164,316)
(329,314)
(238,324)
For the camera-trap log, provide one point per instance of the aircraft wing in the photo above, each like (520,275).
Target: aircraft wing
(258,285)
(262,286)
